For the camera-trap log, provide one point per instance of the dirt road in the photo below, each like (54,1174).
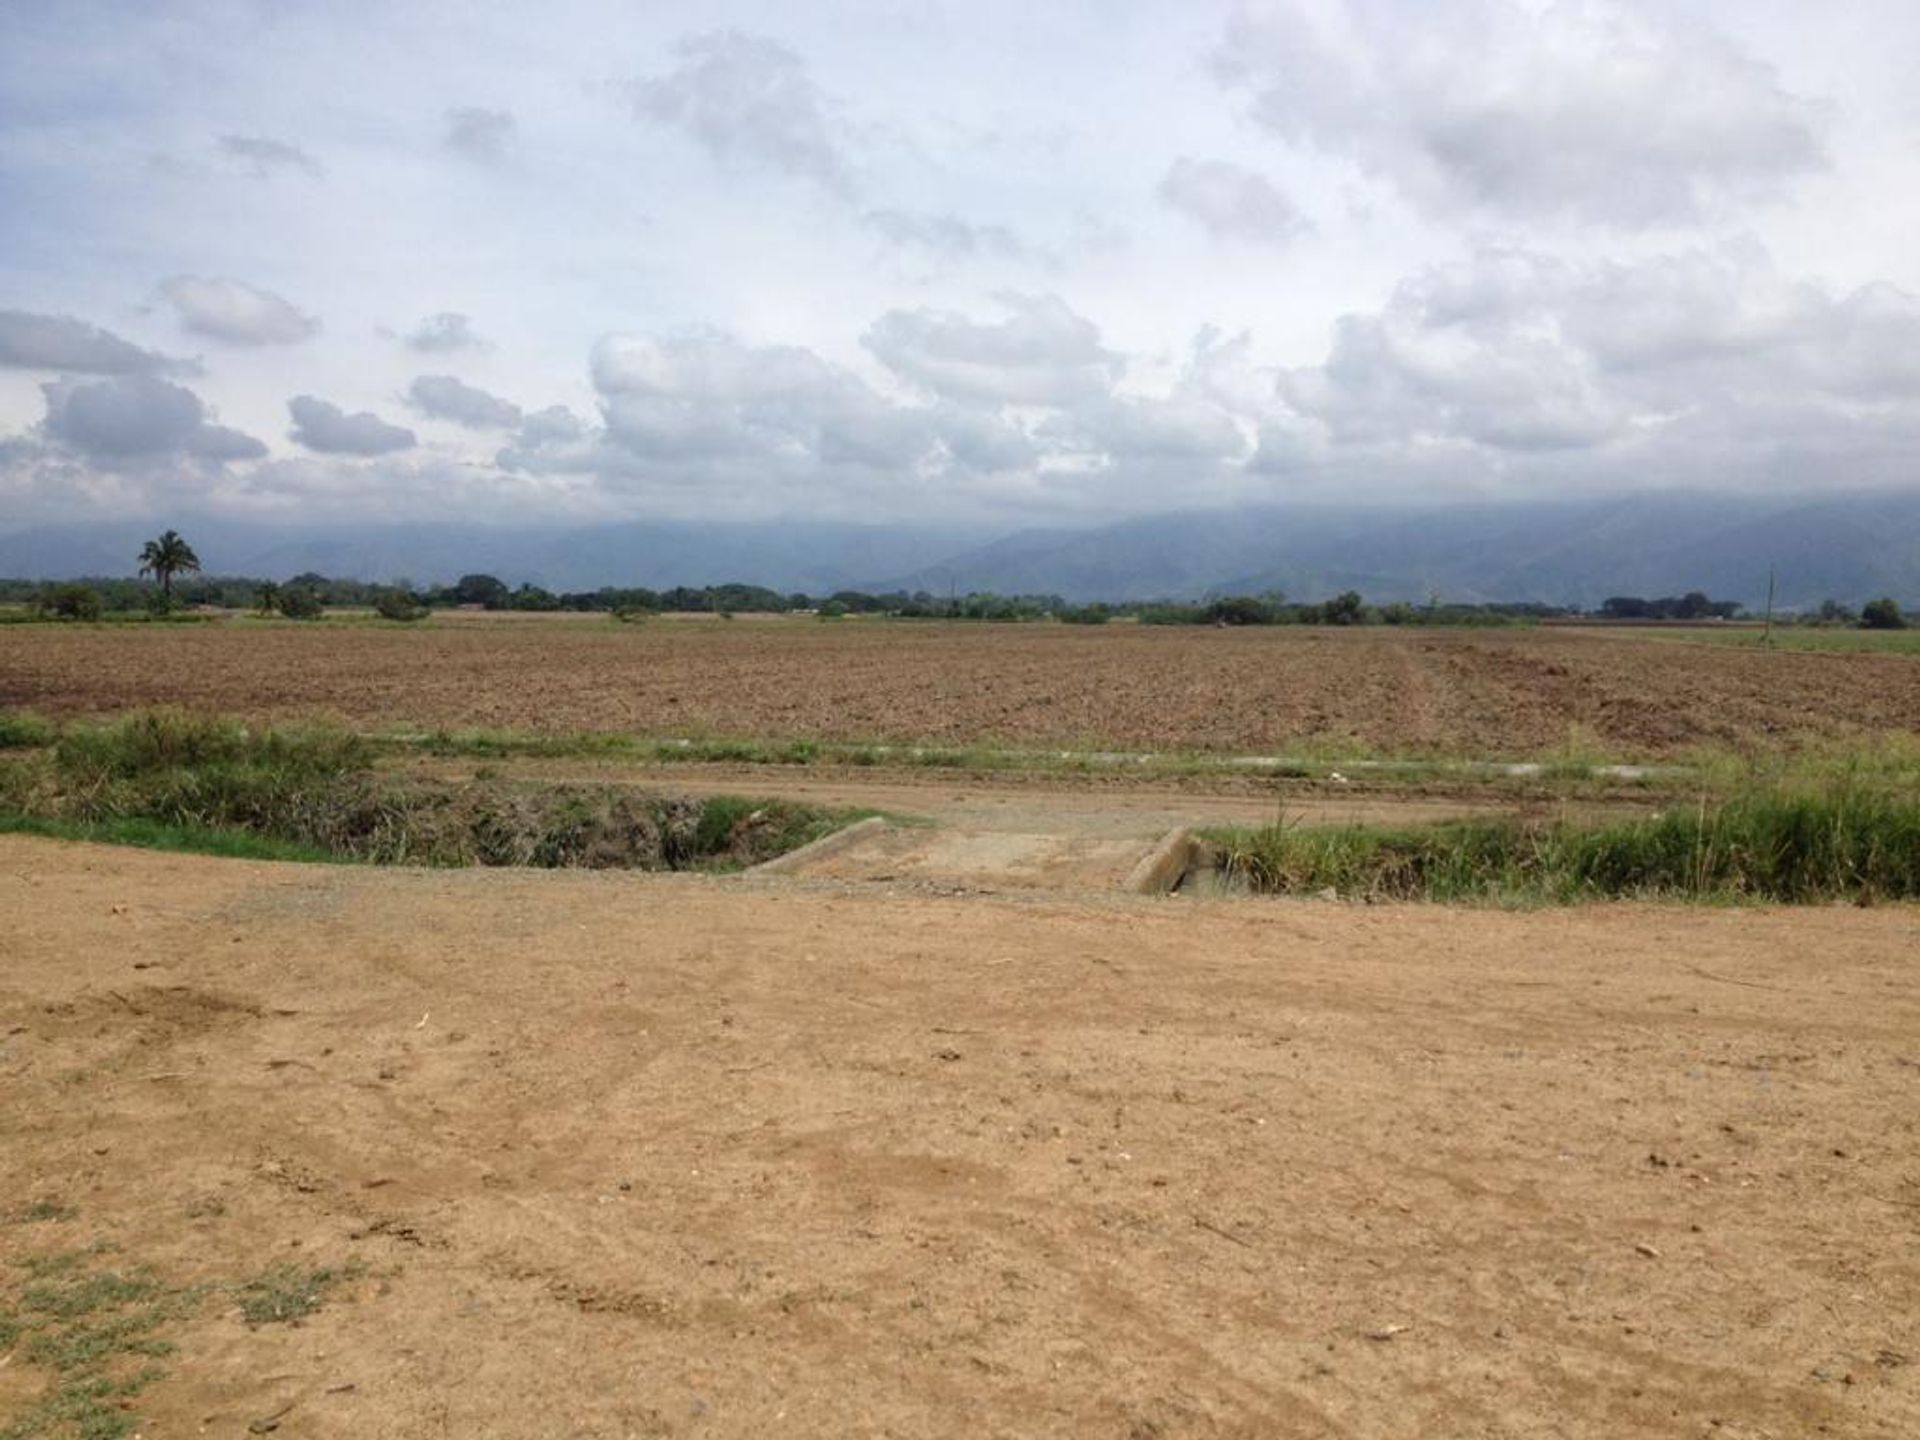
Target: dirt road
(663,1155)
(1097,806)
(1022,832)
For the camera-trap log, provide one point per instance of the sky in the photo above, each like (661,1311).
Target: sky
(986,262)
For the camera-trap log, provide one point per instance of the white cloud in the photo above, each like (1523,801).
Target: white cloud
(1042,353)
(702,396)
(749,100)
(59,342)
(237,313)
(135,417)
(443,334)
(1231,201)
(323,426)
(445,398)
(1519,353)
(1598,111)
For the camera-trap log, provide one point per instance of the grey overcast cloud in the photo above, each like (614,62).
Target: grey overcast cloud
(1002,263)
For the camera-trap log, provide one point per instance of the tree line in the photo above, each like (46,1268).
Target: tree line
(178,584)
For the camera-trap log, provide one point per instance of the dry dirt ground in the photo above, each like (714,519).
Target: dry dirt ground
(629,1155)
(1482,694)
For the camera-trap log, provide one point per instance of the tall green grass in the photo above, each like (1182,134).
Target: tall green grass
(151,742)
(1845,842)
(24,732)
(181,781)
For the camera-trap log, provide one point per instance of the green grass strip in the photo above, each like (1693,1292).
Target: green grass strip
(1845,843)
(183,839)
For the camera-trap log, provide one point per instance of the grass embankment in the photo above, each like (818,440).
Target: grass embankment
(177,781)
(1845,841)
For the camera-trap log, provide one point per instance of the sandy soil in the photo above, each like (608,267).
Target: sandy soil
(1483,694)
(629,1155)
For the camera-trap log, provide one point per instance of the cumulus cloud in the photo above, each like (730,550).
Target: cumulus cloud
(1017,408)
(1042,353)
(235,312)
(480,134)
(1231,202)
(1597,111)
(264,158)
(749,100)
(30,341)
(1521,353)
(138,417)
(323,426)
(707,395)
(445,398)
(444,333)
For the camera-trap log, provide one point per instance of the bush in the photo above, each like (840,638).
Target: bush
(69,602)
(1240,610)
(1346,608)
(1095,614)
(398,605)
(299,603)
(1882,614)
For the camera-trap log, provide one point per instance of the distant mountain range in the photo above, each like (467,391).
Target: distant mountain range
(1560,552)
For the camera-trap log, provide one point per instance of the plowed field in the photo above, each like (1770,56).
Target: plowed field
(1502,693)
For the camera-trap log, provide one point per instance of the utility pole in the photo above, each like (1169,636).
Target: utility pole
(1767,637)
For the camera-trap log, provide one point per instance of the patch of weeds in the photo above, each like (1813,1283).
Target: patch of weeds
(24,732)
(287,1294)
(97,1331)
(43,1210)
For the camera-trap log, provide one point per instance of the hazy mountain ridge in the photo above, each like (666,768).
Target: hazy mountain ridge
(1559,552)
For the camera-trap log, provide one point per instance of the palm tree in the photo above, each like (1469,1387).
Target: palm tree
(166,557)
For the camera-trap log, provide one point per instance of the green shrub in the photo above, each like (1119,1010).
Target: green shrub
(1095,614)
(297,602)
(1882,614)
(68,602)
(398,605)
